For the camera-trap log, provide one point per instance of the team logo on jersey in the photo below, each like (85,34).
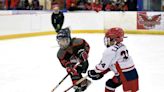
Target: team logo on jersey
(149,22)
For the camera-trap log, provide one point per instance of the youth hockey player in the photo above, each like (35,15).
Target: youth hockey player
(57,17)
(71,52)
(117,59)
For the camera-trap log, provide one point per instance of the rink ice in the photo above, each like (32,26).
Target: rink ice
(30,64)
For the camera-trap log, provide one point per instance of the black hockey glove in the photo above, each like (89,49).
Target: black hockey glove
(82,68)
(95,76)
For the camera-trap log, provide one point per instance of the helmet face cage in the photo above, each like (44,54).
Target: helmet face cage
(63,38)
(63,42)
(109,42)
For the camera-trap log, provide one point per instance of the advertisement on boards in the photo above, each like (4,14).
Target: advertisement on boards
(150,20)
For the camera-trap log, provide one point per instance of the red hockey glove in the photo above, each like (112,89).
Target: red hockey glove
(72,71)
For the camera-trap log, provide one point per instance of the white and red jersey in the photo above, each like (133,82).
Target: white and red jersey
(115,54)
(117,59)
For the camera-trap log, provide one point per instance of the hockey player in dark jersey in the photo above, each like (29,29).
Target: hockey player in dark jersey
(57,17)
(71,52)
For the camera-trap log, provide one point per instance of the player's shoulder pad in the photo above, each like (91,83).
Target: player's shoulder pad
(109,52)
(113,48)
(61,54)
(77,41)
(117,47)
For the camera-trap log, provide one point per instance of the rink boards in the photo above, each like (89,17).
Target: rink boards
(16,24)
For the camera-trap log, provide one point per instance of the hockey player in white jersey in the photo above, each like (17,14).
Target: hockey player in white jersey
(116,58)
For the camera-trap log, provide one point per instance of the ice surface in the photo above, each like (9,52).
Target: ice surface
(31,65)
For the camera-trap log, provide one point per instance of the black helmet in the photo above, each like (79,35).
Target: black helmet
(64,33)
(63,38)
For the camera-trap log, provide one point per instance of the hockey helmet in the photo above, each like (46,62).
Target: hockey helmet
(113,36)
(63,37)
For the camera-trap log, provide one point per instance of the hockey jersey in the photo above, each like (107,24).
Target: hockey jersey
(117,54)
(71,54)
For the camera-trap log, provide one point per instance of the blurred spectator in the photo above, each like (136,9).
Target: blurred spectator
(36,5)
(1,5)
(81,4)
(125,6)
(61,3)
(71,5)
(96,6)
(32,5)
(132,5)
(106,4)
(116,5)
(88,5)
(109,7)
(27,5)
(11,4)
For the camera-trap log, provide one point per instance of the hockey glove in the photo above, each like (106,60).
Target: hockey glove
(95,76)
(72,71)
(83,55)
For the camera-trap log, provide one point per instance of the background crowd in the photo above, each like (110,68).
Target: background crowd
(71,5)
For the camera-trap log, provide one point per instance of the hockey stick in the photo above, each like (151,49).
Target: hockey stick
(59,83)
(55,46)
(78,82)
(75,66)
